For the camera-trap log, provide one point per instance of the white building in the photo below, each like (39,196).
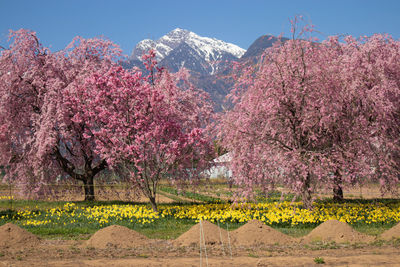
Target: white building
(220,168)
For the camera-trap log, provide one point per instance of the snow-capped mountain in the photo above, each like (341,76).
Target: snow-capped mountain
(208,59)
(183,48)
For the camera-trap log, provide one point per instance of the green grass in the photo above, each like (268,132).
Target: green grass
(273,196)
(374,201)
(372,229)
(369,229)
(173,197)
(73,233)
(161,229)
(319,260)
(297,231)
(191,195)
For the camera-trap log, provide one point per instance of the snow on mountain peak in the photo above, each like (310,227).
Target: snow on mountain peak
(210,49)
(178,32)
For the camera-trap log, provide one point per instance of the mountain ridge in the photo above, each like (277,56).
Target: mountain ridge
(211,51)
(209,60)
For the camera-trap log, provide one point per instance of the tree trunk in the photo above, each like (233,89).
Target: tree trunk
(337,187)
(153,203)
(89,188)
(88,176)
(306,194)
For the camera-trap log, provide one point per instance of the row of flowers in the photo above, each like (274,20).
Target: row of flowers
(288,213)
(285,213)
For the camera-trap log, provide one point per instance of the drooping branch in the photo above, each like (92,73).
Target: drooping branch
(101,166)
(67,166)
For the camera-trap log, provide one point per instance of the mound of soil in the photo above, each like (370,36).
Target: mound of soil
(393,232)
(212,235)
(116,236)
(257,233)
(336,231)
(13,236)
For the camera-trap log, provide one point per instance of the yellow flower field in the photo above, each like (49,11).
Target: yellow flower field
(285,213)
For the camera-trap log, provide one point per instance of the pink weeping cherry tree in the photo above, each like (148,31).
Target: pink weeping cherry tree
(150,126)
(374,64)
(307,117)
(42,139)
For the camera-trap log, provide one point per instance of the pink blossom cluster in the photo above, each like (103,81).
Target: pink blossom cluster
(147,125)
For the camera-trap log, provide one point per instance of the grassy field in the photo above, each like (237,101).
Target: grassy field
(61,222)
(79,219)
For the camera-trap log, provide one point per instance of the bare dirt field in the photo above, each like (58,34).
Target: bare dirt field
(163,253)
(253,244)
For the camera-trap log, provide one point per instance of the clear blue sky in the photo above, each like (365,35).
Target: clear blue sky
(240,22)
